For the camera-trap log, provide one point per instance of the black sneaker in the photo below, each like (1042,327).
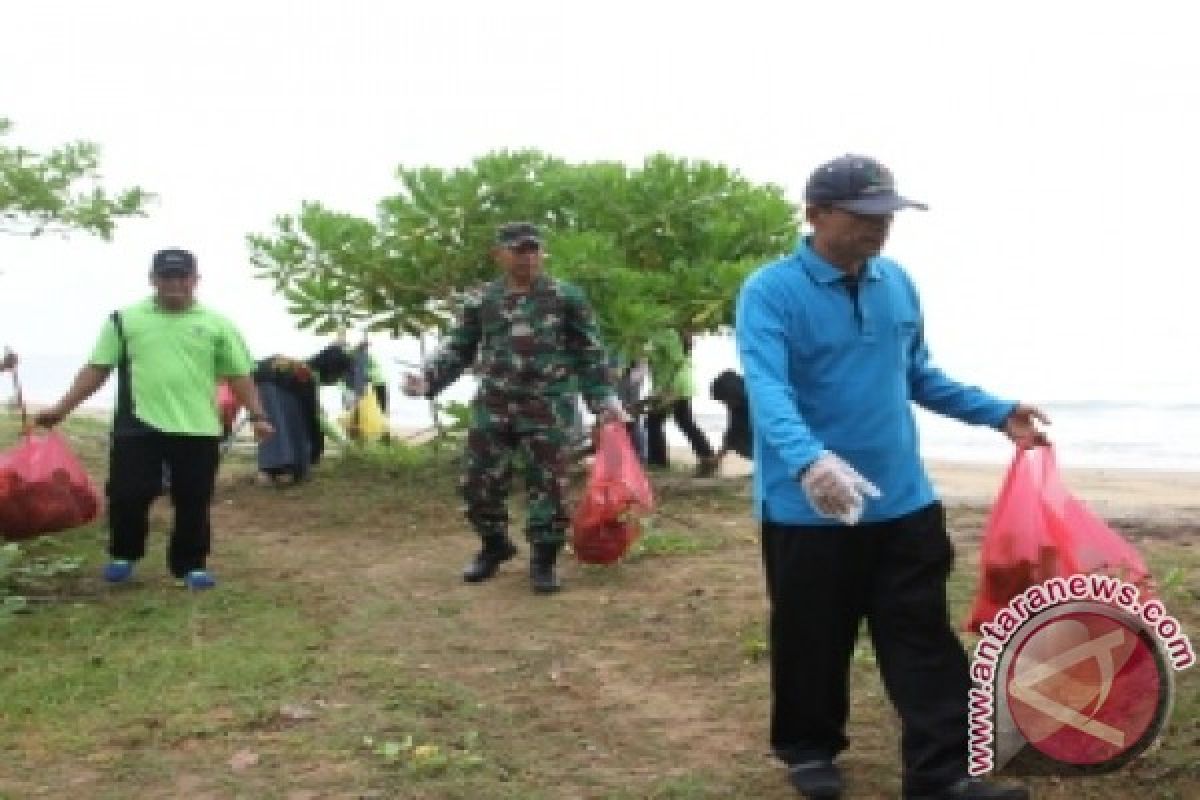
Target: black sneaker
(975,789)
(816,780)
(488,560)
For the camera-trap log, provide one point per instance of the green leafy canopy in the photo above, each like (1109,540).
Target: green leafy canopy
(59,191)
(662,245)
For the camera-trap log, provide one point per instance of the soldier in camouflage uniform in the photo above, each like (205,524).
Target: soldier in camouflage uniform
(536,343)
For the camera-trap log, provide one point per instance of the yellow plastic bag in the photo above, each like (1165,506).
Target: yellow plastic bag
(365,422)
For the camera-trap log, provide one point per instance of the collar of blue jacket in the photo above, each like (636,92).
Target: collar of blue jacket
(827,371)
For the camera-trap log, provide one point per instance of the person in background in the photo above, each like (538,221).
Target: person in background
(365,374)
(630,383)
(537,347)
(290,390)
(170,352)
(729,389)
(376,378)
(672,375)
(832,341)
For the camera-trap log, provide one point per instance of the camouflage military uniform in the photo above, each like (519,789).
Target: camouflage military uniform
(535,351)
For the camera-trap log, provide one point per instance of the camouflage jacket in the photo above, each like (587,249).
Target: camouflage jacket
(543,343)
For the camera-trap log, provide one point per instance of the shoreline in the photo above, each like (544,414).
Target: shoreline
(1109,491)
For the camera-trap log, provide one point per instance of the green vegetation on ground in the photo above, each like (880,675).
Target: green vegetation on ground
(341,657)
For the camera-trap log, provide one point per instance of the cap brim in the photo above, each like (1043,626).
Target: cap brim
(520,241)
(883,203)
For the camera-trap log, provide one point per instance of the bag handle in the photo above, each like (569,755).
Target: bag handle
(1042,465)
(26,426)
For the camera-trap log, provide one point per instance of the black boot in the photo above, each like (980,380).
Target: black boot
(496,550)
(976,789)
(541,569)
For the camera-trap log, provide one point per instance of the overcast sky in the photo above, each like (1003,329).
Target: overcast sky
(1055,142)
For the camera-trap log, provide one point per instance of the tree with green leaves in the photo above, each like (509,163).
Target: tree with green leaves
(663,245)
(59,191)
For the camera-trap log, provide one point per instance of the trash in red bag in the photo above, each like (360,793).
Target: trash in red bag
(227,406)
(44,488)
(605,522)
(1038,530)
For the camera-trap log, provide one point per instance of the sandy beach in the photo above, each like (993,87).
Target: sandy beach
(1172,496)
(1152,495)
(1149,494)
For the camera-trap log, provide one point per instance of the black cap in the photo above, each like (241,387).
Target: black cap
(858,184)
(513,234)
(173,262)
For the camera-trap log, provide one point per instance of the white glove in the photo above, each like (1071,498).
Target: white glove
(835,489)
(415,385)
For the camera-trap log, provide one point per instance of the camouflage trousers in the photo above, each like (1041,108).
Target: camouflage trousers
(532,437)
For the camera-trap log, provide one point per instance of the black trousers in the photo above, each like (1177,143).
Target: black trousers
(822,581)
(656,438)
(135,478)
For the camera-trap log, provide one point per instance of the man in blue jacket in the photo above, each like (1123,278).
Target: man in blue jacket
(831,340)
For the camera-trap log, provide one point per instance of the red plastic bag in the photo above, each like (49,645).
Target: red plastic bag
(605,522)
(44,488)
(227,406)
(1038,530)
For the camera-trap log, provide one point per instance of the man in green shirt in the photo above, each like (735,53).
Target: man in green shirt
(169,352)
(674,385)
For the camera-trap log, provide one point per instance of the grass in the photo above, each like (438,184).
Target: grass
(341,657)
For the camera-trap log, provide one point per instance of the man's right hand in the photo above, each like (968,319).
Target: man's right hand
(49,417)
(415,385)
(835,489)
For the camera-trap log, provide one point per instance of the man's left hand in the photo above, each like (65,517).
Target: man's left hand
(1022,429)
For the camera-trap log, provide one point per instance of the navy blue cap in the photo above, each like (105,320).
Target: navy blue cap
(858,184)
(173,262)
(512,234)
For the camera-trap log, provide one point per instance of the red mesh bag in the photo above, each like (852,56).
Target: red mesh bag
(605,523)
(44,488)
(1038,530)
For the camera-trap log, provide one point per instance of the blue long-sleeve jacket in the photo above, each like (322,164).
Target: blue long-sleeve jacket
(826,372)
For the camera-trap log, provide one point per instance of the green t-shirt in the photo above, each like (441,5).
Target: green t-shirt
(670,366)
(175,361)
(375,372)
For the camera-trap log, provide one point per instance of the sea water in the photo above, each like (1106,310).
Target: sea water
(1144,421)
